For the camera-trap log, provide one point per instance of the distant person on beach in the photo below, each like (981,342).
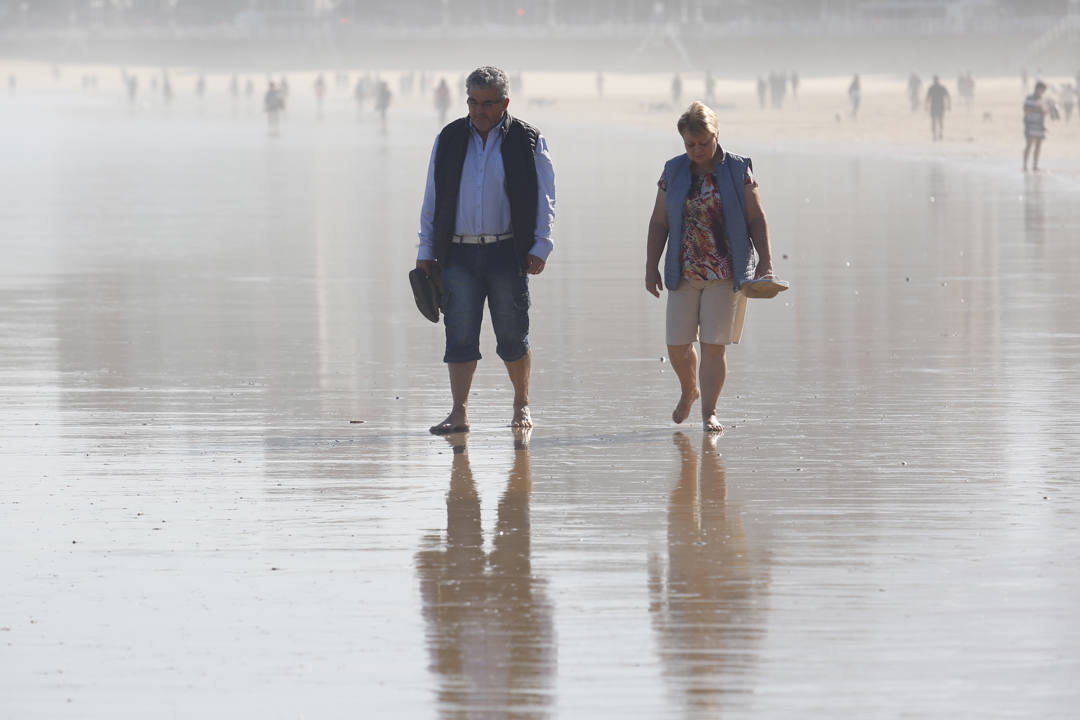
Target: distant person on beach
(382,101)
(710,87)
(166,88)
(794,85)
(778,88)
(1068,99)
(320,92)
(969,89)
(937,102)
(914,89)
(273,104)
(200,87)
(854,93)
(708,213)
(442,100)
(485,223)
(676,90)
(359,94)
(762,88)
(1035,111)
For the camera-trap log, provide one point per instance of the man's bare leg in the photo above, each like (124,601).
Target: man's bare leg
(684,363)
(461,375)
(1035,157)
(519,371)
(713,374)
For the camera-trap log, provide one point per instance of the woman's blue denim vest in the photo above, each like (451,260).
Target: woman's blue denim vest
(730,177)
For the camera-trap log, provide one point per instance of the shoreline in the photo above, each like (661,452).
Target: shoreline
(985,134)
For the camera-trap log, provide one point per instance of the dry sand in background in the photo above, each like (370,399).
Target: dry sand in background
(990,130)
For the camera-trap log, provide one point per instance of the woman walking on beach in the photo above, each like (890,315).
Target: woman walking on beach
(708,214)
(1035,110)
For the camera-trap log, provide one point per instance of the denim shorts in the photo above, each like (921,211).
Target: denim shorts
(473,273)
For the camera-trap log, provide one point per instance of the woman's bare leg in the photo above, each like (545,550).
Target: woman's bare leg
(684,361)
(713,374)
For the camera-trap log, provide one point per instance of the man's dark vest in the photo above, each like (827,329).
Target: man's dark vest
(519,163)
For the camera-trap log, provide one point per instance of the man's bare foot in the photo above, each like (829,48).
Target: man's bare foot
(522,418)
(682,410)
(711,425)
(455,422)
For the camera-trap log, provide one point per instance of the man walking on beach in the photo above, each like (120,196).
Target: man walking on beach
(937,102)
(485,224)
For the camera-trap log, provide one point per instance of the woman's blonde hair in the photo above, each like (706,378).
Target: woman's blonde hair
(699,118)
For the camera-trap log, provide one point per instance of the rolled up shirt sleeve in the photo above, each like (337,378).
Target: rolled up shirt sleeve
(427,212)
(545,205)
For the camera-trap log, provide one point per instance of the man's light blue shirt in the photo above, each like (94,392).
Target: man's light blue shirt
(483,207)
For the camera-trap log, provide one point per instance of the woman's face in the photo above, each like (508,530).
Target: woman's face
(700,146)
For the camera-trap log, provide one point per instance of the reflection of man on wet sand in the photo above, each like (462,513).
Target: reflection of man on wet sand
(490,627)
(707,610)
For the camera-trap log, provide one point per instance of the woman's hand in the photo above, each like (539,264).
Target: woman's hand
(653,283)
(763,269)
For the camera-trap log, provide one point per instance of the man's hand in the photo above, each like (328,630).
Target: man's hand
(426,265)
(653,283)
(536,265)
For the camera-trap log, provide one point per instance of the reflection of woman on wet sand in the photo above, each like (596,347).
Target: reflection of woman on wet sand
(708,213)
(707,610)
(490,628)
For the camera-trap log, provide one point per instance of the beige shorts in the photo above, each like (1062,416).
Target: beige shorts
(706,310)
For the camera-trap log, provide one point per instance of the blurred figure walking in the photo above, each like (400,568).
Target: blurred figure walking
(359,95)
(854,93)
(320,93)
(166,88)
(382,101)
(914,90)
(1035,111)
(937,102)
(442,100)
(273,104)
(1068,99)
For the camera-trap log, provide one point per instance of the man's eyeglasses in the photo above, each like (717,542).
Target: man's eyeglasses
(487,104)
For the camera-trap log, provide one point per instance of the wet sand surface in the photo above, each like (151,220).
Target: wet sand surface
(190,525)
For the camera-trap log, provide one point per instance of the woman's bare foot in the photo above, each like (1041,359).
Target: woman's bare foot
(456,422)
(682,410)
(711,425)
(522,417)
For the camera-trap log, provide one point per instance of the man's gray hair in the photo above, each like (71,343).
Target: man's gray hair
(489,76)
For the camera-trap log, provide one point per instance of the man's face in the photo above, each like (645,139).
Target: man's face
(486,108)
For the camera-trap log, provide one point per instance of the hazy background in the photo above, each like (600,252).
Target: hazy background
(729,36)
